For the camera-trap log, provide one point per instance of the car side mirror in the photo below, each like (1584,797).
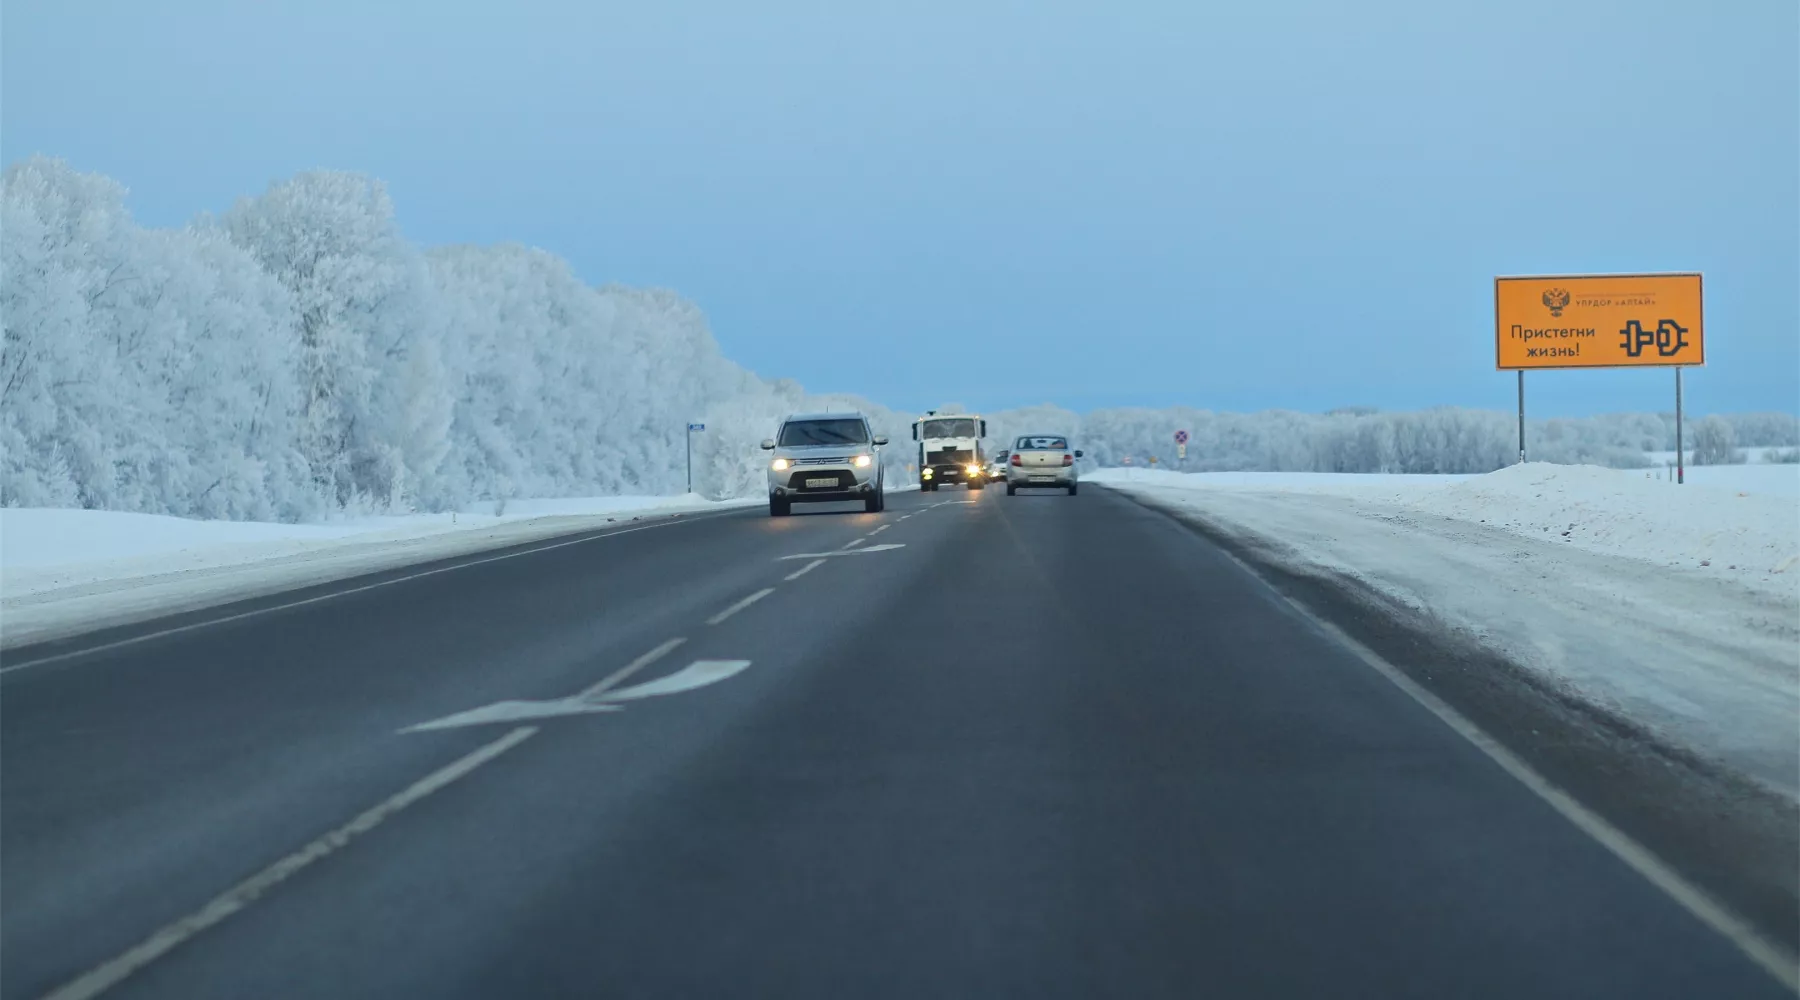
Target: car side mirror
(880,439)
(1077,453)
(768,444)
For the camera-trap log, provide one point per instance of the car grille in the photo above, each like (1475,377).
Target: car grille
(822,461)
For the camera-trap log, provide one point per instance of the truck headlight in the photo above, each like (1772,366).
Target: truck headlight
(926,473)
(780,465)
(861,461)
(974,470)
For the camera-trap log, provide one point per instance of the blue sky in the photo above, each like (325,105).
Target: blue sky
(1234,206)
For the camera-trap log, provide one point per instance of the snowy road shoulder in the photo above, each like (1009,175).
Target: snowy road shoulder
(1679,612)
(65,572)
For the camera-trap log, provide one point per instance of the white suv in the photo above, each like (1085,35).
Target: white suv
(825,457)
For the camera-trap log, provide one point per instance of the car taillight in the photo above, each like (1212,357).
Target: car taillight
(1016,461)
(1068,459)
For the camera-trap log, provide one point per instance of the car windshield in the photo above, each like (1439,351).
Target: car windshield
(1042,444)
(959,427)
(801,433)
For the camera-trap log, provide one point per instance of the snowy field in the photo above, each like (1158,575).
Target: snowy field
(64,571)
(1678,607)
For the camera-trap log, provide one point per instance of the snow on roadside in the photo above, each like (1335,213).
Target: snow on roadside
(1676,607)
(66,571)
(1734,534)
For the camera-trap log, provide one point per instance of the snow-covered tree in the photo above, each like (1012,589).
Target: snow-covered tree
(1715,442)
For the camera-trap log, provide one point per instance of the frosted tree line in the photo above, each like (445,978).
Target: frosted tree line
(296,358)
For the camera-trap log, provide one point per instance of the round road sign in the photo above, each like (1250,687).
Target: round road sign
(1181,437)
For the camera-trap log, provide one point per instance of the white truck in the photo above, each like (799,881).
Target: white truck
(950,449)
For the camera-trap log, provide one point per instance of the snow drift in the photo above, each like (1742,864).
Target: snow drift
(1677,607)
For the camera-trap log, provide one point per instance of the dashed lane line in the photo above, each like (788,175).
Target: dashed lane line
(620,675)
(103,977)
(739,606)
(802,571)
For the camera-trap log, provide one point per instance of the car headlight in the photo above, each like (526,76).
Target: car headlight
(861,461)
(780,465)
(974,470)
(926,473)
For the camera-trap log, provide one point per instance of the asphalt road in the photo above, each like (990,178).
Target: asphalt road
(1045,746)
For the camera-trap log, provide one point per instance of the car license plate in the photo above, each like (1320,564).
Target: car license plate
(815,484)
(1043,479)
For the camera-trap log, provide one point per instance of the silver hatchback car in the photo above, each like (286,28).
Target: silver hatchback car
(1042,461)
(825,457)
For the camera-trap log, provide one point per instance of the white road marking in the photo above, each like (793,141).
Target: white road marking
(739,606)
(697,674)
(1770,957)
(855,542)
(879,530)
(844,552)
(802,571)
(628,669)
(103,647)
(103,977)
(513,711)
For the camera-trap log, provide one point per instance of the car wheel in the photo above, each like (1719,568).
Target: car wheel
(1011,490)
(1072,489)
(779,508)
(872,505)
(976,484)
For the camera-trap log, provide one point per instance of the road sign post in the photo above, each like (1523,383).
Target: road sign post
(1522,416)
(1599,321)
(1680,458)
(1181,440)
(691,428)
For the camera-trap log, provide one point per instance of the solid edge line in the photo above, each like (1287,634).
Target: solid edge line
(739,606)
(133,640)
(618,676)
(1765,954)
(103,977)
(802,571)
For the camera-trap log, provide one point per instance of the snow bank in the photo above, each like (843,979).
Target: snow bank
(1677,607)
(63,572)
(1752,538)
(1750,477)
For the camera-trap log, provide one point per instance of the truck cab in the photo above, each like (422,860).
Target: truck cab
(950,450)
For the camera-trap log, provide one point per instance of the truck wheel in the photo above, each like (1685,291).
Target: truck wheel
(976,484)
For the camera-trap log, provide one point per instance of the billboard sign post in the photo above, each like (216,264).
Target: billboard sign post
(1599,321)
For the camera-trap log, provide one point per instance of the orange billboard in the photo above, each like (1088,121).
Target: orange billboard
(1598,321)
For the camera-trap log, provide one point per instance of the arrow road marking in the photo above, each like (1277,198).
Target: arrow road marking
(697,674)
(619,676)
(844,552)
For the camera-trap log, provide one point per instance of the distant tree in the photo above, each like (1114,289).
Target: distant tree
(1715,442)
